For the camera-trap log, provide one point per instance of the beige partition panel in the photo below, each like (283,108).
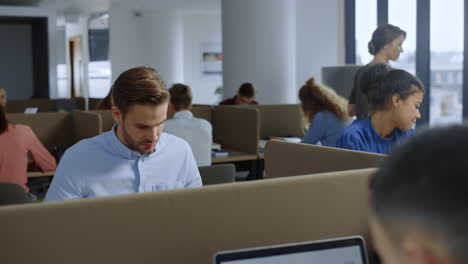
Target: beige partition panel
(281,120)
(86,124)
(43,105)
(107,120)
(53,129)
(284,159)
(236,128)
(186,226)
(202,111)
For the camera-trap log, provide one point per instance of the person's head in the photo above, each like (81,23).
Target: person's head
(419,210)
(394,91)
(181,98)
(316,97)
(245,94)
(140,108)
(3,97)
(387,40)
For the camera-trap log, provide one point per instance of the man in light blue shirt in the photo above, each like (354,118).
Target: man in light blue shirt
(135,156)
(196,131)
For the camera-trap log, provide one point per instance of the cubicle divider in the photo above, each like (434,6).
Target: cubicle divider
(203,111)
(237,129)
(283,159)
(60,129)
(46,105)
(187,225)
(53,129)
(107,120)
(282,120)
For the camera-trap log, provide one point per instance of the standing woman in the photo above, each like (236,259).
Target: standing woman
(394,98)
(16,142)
(385,45)
(326,112)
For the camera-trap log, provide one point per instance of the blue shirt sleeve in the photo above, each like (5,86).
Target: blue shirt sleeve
(316,130)
(193,178)
(66,184)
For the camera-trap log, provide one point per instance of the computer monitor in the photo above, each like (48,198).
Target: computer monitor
(346,250)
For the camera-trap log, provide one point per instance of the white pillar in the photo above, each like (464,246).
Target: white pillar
(259,46)
(151,37)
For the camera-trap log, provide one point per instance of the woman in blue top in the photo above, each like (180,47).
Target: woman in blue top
(325,110)
(394,96)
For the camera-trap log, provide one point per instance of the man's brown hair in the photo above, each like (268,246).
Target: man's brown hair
(181,96)
(141,85)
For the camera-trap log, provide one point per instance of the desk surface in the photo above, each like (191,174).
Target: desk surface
(33,174)
(233,156)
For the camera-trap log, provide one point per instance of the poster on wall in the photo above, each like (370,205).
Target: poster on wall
(212,59)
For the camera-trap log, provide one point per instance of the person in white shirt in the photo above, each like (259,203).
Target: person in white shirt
(135,155)
(196,131)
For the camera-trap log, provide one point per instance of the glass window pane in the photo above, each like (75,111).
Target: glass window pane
(404,18)
(366,23)
(446,61)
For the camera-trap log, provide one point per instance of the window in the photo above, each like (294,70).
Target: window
(402,13)
(447,27)
(366,23)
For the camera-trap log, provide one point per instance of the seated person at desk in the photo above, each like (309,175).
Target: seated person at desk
(16,142)
(325,110)
(418,199)
(196,131)
(135,155)
(394,96)
(245,95)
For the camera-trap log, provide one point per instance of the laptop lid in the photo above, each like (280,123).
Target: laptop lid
(346,250)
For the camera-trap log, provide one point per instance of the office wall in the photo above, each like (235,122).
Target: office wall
(51,26)
(259,46)
(16,72)
(168,39)
(279,44)
(201,29)
(320,37)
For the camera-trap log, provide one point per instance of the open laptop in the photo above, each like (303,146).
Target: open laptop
(346,250)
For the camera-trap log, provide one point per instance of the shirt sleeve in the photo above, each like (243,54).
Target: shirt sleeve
(67,183)
(41,156)
(316,130)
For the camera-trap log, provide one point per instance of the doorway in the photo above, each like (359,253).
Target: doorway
(75,66)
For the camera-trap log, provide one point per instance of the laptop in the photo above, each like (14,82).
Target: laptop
(345,250)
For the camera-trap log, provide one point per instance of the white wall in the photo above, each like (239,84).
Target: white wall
(259,46)
(168,39)
(51,17)
(320,37)
(200,28)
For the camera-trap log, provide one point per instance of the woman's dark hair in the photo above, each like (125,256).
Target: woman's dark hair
(379,82)
(3,120)
(383,35)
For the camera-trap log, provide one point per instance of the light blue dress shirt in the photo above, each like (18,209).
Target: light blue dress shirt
(326,128)
(103,166)
(196,131)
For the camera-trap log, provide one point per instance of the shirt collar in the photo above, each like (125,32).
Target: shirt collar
(183,114)
(123,151)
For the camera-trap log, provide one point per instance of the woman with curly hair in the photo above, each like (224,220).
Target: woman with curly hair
(326,112)
(394,97)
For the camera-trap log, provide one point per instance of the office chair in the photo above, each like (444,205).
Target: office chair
(12,193)
(219,173)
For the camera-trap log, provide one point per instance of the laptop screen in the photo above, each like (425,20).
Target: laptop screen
(348,250)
